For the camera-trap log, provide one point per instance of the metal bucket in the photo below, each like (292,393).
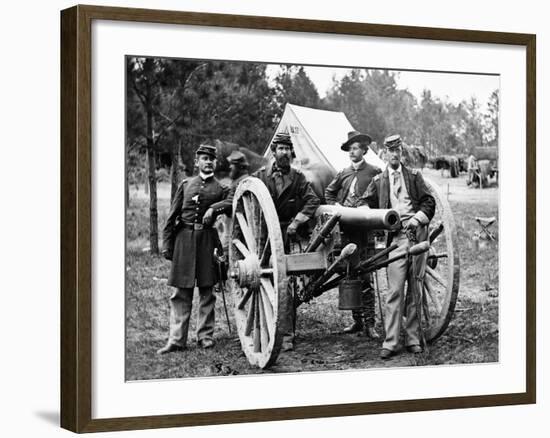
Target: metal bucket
(350,295)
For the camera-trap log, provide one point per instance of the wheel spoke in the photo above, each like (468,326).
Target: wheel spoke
(264,337)
(250,316)
(257,334)
(265,253)
(247,232)
(250,210)
(261,233)
(268,311)
(269,290)
(247,207)
(241,247)
(244,298)
(435,276)
(432,294)
(436,232)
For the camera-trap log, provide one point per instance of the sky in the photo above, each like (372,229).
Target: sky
(454,87)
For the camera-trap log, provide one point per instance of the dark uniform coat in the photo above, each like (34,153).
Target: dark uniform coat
(378,192)
(297,196)
(337,191)
(192,250)
(226,206)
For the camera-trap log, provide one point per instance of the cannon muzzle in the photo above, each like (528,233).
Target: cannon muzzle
(364,217)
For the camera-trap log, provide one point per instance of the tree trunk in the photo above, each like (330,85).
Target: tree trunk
(151,174)
(127,188)
(153,211)
(174,174)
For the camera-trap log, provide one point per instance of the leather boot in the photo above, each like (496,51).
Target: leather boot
(370,332)
(357,325)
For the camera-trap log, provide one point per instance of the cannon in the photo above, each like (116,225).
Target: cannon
(266,282)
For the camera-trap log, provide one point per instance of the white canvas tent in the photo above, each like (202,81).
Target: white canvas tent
(317,136)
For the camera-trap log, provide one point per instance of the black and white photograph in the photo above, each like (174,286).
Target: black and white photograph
(275,219)
(295,218)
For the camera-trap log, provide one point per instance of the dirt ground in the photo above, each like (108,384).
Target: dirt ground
(472,336)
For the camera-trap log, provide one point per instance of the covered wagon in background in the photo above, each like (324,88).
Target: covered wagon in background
(487,165)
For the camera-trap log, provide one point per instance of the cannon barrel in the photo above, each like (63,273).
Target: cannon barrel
(364,217)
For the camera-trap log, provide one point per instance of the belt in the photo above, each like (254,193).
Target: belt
(194,226)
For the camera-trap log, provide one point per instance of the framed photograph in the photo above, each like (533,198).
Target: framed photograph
(268,219)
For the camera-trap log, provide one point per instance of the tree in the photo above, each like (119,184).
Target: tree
(232,102)
(491,119)
(473,133)
(293,85)
(152,114)
(373,103)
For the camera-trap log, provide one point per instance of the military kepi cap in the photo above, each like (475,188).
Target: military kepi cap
(207,150)
(356,137)
(393,141)
(237,157)
(281,138)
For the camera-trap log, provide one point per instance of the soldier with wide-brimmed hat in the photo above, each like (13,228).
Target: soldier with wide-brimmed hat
(189,240)
(346,189)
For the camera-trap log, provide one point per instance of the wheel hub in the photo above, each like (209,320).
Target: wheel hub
(247,272)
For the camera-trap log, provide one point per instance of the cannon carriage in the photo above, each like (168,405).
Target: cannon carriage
(268,279)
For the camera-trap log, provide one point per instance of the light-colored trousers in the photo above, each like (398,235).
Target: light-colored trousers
(396,302)
(181,303)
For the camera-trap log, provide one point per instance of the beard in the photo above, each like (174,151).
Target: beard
(283,162)
(394,164)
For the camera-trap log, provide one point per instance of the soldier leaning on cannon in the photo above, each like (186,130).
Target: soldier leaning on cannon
(405,191)
(189,241)
(346,189)
(294,199)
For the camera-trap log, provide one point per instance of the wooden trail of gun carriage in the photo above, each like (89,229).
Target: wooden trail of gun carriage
(267,284)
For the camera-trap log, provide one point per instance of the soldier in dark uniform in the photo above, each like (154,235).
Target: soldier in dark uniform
(294,199)
(238,167)
(403,190)
(238,170)
(346,189)
(189,241)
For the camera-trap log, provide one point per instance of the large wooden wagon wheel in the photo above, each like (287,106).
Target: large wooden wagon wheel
(441,280)
(258,279)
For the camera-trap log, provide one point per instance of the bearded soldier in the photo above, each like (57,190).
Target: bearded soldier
(189,241)
(346,189)
(294,199)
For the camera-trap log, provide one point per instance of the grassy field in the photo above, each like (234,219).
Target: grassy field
(472,336)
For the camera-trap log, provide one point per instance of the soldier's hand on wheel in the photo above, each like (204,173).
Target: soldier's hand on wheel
(208,217)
